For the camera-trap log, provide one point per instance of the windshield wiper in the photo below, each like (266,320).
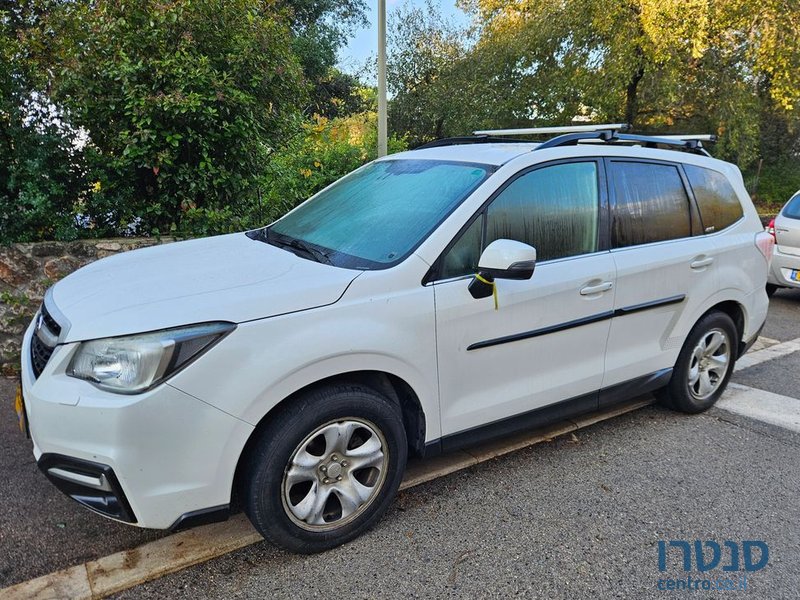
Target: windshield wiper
(310,250)
(283,241)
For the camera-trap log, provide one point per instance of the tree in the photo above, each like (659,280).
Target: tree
(340,94)
(320,28)
(659,64)
(181,101)
(426,53)
(40,166)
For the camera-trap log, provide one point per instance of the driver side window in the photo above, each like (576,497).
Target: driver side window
(555,209)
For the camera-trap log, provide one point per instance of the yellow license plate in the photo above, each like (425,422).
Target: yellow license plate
(19,408)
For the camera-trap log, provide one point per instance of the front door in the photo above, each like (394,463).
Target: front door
(545,342)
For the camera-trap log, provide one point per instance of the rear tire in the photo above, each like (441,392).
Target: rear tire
(325,468)
(704,365)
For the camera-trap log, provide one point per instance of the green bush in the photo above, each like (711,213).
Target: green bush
(774,185)
(321,153)
(41,175)
(180,101)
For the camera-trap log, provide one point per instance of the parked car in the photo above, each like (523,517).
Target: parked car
(429,300)
(785,229)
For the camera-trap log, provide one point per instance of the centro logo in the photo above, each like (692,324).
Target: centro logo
(706,562)
(749,556)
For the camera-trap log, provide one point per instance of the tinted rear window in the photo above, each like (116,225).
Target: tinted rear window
(650,204)
(719,206)
(792,208)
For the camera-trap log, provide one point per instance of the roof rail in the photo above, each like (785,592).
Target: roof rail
(555,130)
(471,139)
(573,135)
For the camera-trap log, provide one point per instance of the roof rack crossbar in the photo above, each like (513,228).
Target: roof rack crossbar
(555,130)
(699,137)
(650,141)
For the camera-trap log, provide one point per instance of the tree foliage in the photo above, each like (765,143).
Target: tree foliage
(425,70)
(320,29)
(725,66)
(40,168)
(159,116)
(181,102)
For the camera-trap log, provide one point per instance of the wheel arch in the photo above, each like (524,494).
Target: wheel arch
(736,312)
(390,385)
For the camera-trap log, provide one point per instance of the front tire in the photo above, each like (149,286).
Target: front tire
(325,468)
(771,289)
(704,365)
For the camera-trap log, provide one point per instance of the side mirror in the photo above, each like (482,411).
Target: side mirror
(502,259)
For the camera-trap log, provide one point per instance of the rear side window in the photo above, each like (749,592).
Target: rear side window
(650,204)
(792,209)
(719,206)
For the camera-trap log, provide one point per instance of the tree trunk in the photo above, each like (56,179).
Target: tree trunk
(631,93)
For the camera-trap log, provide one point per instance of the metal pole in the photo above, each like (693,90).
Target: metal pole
(382,120)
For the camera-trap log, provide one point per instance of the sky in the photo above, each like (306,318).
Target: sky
(365,41)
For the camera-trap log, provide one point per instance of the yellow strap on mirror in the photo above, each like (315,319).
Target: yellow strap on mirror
(482,279)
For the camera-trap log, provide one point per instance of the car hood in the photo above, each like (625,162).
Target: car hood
(224,278)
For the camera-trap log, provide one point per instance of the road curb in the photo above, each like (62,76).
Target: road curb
(123,570)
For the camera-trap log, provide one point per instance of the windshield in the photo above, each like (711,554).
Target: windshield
(379,214)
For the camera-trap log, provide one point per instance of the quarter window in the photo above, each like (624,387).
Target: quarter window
(719,206)
(462,258)
(650,204)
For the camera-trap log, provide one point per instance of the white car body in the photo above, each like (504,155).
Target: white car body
(174,449)
(785,267)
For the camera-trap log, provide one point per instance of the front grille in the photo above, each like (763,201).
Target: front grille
(54,327)
(40,350)
(40,354)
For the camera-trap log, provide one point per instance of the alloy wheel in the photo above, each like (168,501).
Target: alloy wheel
(334,474)
(709,363)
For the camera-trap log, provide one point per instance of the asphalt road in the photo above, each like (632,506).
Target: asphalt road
(572,518)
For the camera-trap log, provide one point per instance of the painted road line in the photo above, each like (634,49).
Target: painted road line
(777,351)
(124,570)
(783,411)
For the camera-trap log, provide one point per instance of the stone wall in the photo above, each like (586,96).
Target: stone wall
(27,270)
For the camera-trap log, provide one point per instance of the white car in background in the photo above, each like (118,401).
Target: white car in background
(785,229)
(293,369)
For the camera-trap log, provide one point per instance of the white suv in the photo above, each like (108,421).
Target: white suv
(291,370)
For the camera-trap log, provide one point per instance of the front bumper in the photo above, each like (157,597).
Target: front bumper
(781,266)
(150,459)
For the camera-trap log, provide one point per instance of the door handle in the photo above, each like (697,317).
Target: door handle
(596,289)
(701,263)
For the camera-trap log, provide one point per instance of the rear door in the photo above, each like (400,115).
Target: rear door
(664,272)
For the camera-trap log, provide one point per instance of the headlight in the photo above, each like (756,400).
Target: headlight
(132,364)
